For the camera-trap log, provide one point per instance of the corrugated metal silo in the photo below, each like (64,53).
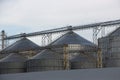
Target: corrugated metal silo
(77,43)
(56,62)
(44,61)
(13,63)
(82,62)
(78,60)
(111,49)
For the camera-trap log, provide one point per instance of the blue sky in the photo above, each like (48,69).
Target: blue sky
(18,16)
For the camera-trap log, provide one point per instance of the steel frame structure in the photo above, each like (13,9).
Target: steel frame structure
(46,39)
(63,29)
(47,34)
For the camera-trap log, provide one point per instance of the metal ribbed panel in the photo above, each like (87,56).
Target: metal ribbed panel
(11,70)
(44,61)
(113,62)
(82,65)
(21,45)
(44,65)
(115,50)
(11,67)
(82,62)
(72,38)
(115,55)
(13,63)
(111,53)
(115,44)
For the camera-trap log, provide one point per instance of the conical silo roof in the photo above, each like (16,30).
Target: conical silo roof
(72,38)
(47,54)
(13,57)
(68,38)
(13,63)
(21,45)
(116,32)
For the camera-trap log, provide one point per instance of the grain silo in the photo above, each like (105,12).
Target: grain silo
(53,59)
(81,61)
(44,61)
(13,63)
(110,46)
(78,43)
(21,46)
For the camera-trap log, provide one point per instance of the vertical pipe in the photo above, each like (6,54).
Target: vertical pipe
(3,41)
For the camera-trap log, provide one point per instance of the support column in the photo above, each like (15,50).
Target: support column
(96,31)
(66,57)
(49,38)
(99,59)
(46,39)
(43,40)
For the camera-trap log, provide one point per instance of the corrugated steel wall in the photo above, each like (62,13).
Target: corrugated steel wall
(48,60)
(12,67)
(44,65)
(110,46)
(13,63)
